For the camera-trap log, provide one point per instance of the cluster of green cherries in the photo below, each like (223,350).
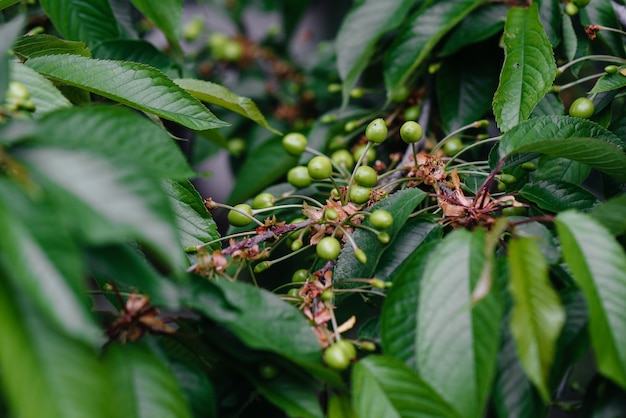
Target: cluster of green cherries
(362,180)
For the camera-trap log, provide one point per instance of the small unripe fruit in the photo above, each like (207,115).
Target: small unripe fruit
(367,345)
(376,131)
(336,358)
(296,244)
(343,158)
(320,167)
(294,293)
(300,275)
(359,194)
(328,248)
(334,88)
(529,166)
(237,146)
(17,91)
(452,145)
(239,219)
(350,126)
(384,238)
(508,179)
(366,176)
(582,108)
(330,214)
(357,93)
(294,143)
(193,29)
(263,201)
(361,256)
(381,219)
(400,94)
(233,51)
(347,347)
(262,266)
(514,211)
(611,69)
(216,43)
(571,9)
(327,295)
(378,284)
(412,113)
(411,132)
(267,371)
(501,186)
(370,156)
(299,177)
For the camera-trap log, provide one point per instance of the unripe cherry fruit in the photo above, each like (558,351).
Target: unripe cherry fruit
(339,355)
(328,248)
(411,132)
(366,176)
(370,156)
(359,194)
(320,167)
(299,177)
(294,143)
(263,201)
(381,219)
(376,131)
(582,108)
(343,158)
(239,219)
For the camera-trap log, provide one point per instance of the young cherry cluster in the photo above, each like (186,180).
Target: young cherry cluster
(17,101)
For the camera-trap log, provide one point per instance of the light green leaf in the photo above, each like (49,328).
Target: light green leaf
(414,43)
(6,3)
(136,85)
(117,133)
(529,67)
(144,386)
(366,22)
(385,387)
(89,21)
(32,46)
(166,15)
(42,92)
(8,33)
(44,372)
(195,224)
(537,317)
(106,202)
(457,340)
(609,82)
(135,50)
(557,196)
(219,95)
(43,263)
(564,136)
(400,205)
(257,317)
(598,264)
(612,214)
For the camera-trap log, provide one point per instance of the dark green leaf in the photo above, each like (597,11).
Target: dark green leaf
(564,136)
(136,85)
(537,316)
(109,203)
(359,32)
(219,95)
(612,214)
(117,133)
(561,169)
(400,205)
(609,82)
(257,317)
(166,15)
(8,33)
(43,263)
(457,341)
(90,21)
(197,389)
(602,13)
(6,3)
(551,16)
(398,326)
(38,45)
(144,386)
(598,264)
(254,176)
(549,105)
(135,50)
(195,224)
(385,387)
(480,24)
(466,83)
(43,93)
(557,196)
(44,372)
(529,67)
(414,43)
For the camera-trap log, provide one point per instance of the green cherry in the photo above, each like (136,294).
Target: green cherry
(370,156)
(239,219)
(359,194)
(343,158)
(366,176)
(299,177)
(411,132)
(294,143)
(376,131)
(381,219)
(263,201)
(320,167)
(328,248)
(582,108)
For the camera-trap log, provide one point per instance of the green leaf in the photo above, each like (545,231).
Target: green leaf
(117,133)
(8,33)
(549,105)
(612,214)
(254,176)
(598,264)
(561,169)
(464,96)
(144,386)
(366,22)
(557,196)
(43,93)
(398,321)
(602,13)
(257,317)
(43,263)
(457,341)
(108,203)
(219,95)
(40,363)
(400,205)
(537,317)
(166,15)
(6,3)
(195,224)
(135,50)
(90,21)
(32,46)
(413,44)
(385,387)
(564,136)
(136,85)
(529,67)
(482,23)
